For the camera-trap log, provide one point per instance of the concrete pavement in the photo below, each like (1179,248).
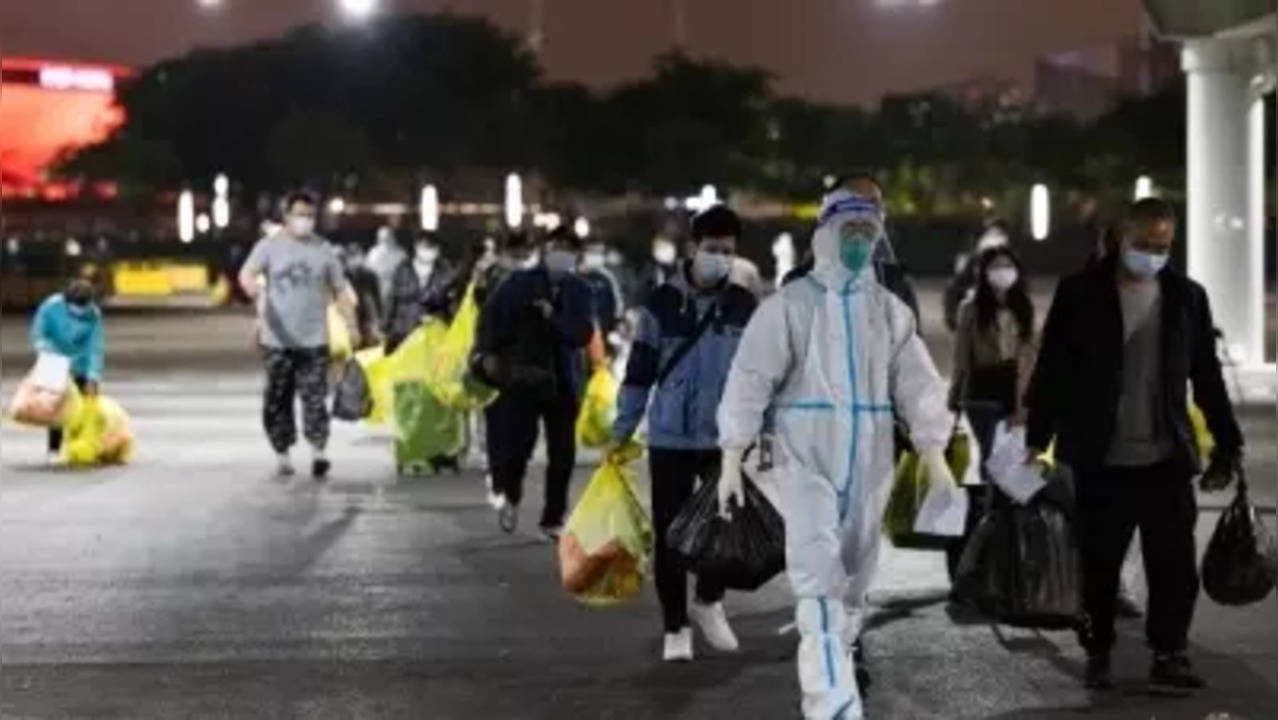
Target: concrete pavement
(194,584)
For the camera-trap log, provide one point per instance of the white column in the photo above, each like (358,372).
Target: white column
(1225,241)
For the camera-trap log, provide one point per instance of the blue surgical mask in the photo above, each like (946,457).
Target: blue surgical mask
(1144,264)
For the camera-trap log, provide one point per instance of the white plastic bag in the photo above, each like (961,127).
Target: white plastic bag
(1007,465)
(51,372)
(943,512)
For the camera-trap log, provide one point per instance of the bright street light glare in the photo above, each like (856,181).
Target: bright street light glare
(581,227)
(221,212)
(202,223)
(1040,212)
(337,206)
(1144,187)
(514,201)
(221,185)
(358,9)
(210,3)
(186,216)
(428,208)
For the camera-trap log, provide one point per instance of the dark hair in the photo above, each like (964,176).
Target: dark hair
(1151,209)
(561,235)
(1017,298)
(79,292)
(514,240)
(715,221)
(300,196)
(852,175)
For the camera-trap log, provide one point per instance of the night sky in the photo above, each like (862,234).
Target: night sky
(836,50)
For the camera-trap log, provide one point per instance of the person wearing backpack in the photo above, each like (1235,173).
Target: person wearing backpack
(687,335)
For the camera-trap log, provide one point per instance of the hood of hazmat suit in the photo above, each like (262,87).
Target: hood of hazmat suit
(834,357)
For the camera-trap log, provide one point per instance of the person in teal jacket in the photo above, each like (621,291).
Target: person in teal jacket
(70,323)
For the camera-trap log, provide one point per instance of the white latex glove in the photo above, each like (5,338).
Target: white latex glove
(730,485)
(937,468)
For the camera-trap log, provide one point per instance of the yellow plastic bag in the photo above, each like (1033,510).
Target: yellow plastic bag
(447,375)
(1206,443)
(340,344)
(220,293)
(377,371)
(605,551)
(99,434)
(598,409)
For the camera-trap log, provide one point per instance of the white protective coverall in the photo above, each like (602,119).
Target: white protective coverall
(832,355)
(384,259)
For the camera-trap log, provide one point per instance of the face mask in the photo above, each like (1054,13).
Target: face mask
(593,260)
(561,261)
(1002,278)
(427,254)
(1144,264)
(855,254)
(663,253)
(709,269)
(300,225)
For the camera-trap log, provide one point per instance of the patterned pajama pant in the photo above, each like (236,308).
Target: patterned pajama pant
(291,372)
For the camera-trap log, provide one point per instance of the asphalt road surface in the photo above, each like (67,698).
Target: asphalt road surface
(193,584)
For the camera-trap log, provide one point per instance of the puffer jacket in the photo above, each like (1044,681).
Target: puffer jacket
(682,413)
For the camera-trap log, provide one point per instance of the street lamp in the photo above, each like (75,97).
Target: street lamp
(202,223)
(1040,212)
(514,201)
(428,207)
(1144,187)
(186,216)
(582,228)
(358,9)
(221,203)
(210,4)
(337,206)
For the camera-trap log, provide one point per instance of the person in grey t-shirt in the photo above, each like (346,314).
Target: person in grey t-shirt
(302,275)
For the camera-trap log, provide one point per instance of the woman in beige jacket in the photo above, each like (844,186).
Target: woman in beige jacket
(994,353)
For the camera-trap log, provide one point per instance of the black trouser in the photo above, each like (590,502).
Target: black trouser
(291,372)
(1114,502)
(674,476)
(512,437)
(55,433)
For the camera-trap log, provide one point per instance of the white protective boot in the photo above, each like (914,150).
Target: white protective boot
(826,675)
(677,647)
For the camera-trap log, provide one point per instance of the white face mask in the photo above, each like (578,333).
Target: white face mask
(592,260)
(709,269)
(663,253)
(991,239)
(427,253)
(1144,264)
(561,261)
(300,225)
(1002,278)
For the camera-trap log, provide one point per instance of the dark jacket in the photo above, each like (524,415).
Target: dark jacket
(409,301)
(511,320)
(890,275)
(605,296)
(1074,392)
(368,313)
(682,414)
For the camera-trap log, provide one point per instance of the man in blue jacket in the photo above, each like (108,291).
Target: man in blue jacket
(70,324)
(687,336)
(531,339)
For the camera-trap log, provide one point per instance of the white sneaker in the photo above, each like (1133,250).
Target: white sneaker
(284,465)
(678,646)
(496,500)
(53,459)
(713,622)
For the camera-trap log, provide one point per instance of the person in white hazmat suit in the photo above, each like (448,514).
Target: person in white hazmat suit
(831,356)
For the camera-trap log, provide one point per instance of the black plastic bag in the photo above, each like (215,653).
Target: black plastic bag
(352,400)
(1241,561)
(742,553)
(1022,566)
